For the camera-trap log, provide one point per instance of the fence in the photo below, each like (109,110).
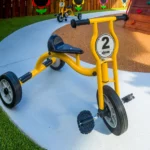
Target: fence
(18,8)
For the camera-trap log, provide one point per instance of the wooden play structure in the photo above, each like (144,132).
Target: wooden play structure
(139,16)
(20,8)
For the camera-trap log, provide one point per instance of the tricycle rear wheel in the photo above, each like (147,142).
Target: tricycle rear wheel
(66,14)
(79,16)
(58,64)
(115,118)
(10,89)
(60,17)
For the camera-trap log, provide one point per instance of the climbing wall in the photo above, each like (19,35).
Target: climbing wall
(139,16)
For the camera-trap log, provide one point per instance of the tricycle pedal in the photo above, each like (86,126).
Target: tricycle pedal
(85,122)
(128,98)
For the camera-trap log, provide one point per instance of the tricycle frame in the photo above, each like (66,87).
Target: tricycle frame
(100,70)
(64,11)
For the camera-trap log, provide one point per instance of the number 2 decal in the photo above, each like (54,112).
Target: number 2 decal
(105,46)
(61,4)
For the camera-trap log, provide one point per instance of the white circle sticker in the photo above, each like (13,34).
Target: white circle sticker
(61,4)
(105,45)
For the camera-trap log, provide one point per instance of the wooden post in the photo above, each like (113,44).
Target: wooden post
(8,8)
(57,6)
(89,5)
(22,8)
(52,6)
(1,9)
(19,14)
(86,5)
(94,3)
(97,5)
(29,7)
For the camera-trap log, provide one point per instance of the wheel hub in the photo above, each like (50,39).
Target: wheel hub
(6,92)
(107,112)
(110,115)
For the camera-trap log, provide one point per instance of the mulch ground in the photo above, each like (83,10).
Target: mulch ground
(134,49)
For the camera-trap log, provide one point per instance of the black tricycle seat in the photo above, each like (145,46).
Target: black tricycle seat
(56,44)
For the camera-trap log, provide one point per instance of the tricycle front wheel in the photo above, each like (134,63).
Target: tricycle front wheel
(115,118)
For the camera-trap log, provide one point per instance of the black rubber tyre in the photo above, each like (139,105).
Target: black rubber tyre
(79,16)
(117,110)
(66,15)
(58,64)
(10,89)
(60,18)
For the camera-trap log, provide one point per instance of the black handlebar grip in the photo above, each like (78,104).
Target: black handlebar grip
(123,17)
(75,23)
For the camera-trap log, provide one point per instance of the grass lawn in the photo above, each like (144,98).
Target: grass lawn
(7,26)
(11,138)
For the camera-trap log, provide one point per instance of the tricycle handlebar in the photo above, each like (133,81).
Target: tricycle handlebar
(75,23)
(123,17)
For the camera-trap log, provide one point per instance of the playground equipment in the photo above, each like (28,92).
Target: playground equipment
(65,12)
(104,48)
(139,14)
(41,4)
(103,3)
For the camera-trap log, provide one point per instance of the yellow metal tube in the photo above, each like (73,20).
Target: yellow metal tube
(112,32)
(105,19)
(115,73)
(101,66)
(98,67)
(93,40)
(115,68)
(105,77)
(39,64)
(39,67)
(73,65)
(100,86)
(78,59)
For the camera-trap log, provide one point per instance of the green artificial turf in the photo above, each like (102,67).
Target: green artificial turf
(7,26)
(11,138)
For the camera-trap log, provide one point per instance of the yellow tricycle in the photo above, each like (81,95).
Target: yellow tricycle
(64,12)
(104,48)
